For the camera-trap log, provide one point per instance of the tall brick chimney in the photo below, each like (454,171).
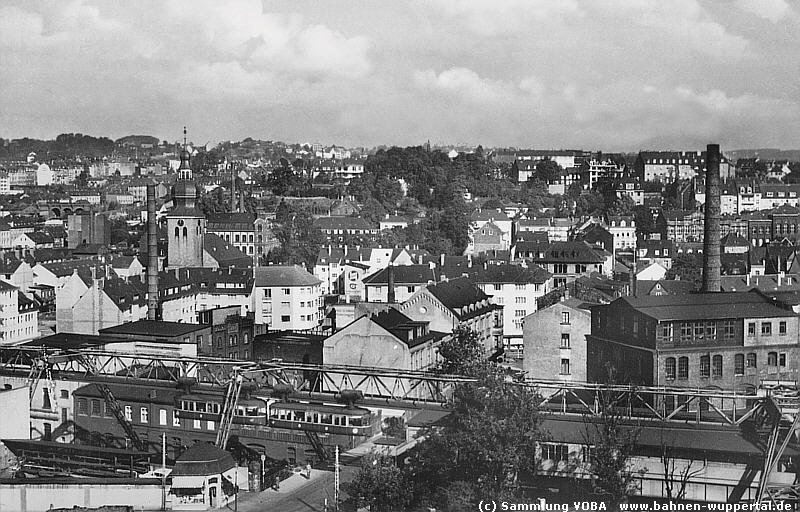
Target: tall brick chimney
(712,262)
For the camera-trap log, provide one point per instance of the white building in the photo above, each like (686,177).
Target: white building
(19,316)
(286,297)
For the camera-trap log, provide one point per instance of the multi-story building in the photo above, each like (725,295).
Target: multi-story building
(236,228)
(555,341)
(623,231)
(231,335)
(668,166)
(722,340)
(405,281)
(286,297)
(19,316)
(516,289)
(684,226)
(566,261)
(337,229)
(458,302)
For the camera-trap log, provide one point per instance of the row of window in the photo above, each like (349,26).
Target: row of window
(766,328)
(713,367)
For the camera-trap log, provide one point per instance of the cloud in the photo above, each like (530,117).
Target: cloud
(772,10)
(465,84)
(496,18)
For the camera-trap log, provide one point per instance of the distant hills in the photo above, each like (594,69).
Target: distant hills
(793,155)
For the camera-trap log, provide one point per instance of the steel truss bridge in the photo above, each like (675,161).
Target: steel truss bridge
(775,411)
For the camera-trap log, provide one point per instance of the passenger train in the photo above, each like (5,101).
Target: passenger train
(338,419)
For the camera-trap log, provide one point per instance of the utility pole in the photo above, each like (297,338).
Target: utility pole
(336,480)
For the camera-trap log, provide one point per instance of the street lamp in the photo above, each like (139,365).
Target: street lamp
(263,471)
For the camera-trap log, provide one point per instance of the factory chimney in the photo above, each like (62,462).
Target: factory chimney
(711,240)
(233,189)
(390,284)
(152,255)
(241,201)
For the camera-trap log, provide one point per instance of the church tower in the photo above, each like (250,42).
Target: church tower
(186,224)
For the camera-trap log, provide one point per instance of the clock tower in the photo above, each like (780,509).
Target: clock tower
(186,224)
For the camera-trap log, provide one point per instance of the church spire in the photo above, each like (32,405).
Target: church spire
(185,170)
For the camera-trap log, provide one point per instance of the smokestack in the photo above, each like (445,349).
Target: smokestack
(241,201)
(152,255)
(233,189)
(711,240)
(390,284)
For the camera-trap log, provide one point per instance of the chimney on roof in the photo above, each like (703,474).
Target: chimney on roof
(390,284)
(233,189)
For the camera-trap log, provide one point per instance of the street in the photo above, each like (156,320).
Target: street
(296,495)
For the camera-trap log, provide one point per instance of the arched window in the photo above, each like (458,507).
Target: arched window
(177,232)
(683,368)
(669,368)
(738,364)
(705,366)
(185,232)
(716,367)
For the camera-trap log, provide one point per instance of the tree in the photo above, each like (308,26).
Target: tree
(676,475)
(488,438)
(380,485)
(621,206)
(613,442)
(547,170)
(462,353)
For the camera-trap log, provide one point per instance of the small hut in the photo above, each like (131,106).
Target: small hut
(204,478)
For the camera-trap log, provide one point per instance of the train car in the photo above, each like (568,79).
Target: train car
(208,407)
(324,418)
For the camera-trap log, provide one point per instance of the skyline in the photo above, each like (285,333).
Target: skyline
(618,75)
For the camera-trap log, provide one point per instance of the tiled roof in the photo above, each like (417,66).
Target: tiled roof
(489,215)
(223,252)
(503,273)
(236,221)
(457,293)
(152,328)
(703,306)
(568,252)
(284,275)
(403,274)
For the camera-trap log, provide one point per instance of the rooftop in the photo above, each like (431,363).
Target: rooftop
(284,275)
(706,306)
(152,328)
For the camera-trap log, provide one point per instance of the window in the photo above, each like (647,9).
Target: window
(246,338)
(565,318)
(284,318)
(521,300)
(666,331)
(711,330)
(716,367)
(162,417)
(705,366)
(772,359)
(267,293)
(782,328)
(82,406)
(751,329)
(176,421)
(143,413)
(555,452)
(519,312)
(752,360)
(285,291)
(128,413)
(738,364)
(564,340)
(64,393)
(669,368)
(766,328)
(565,367)
(196,424)
(699,329)
(728,329)
(782,359)
(560,268)
(686,331)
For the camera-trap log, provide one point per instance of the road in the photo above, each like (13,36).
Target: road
(310,497)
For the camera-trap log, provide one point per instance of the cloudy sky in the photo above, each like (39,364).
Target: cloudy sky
(599,74)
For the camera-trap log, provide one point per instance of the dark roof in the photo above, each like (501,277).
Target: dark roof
(458,294)
(152,328)
(134,391)
(40,237)
(235,221)
(284,275)
(225,254)
(403,274)
(702,306)
(670,287)
(568,252)
(507,273)
(203,459)
(66,340)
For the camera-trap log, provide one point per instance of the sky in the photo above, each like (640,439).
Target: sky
(614,75)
